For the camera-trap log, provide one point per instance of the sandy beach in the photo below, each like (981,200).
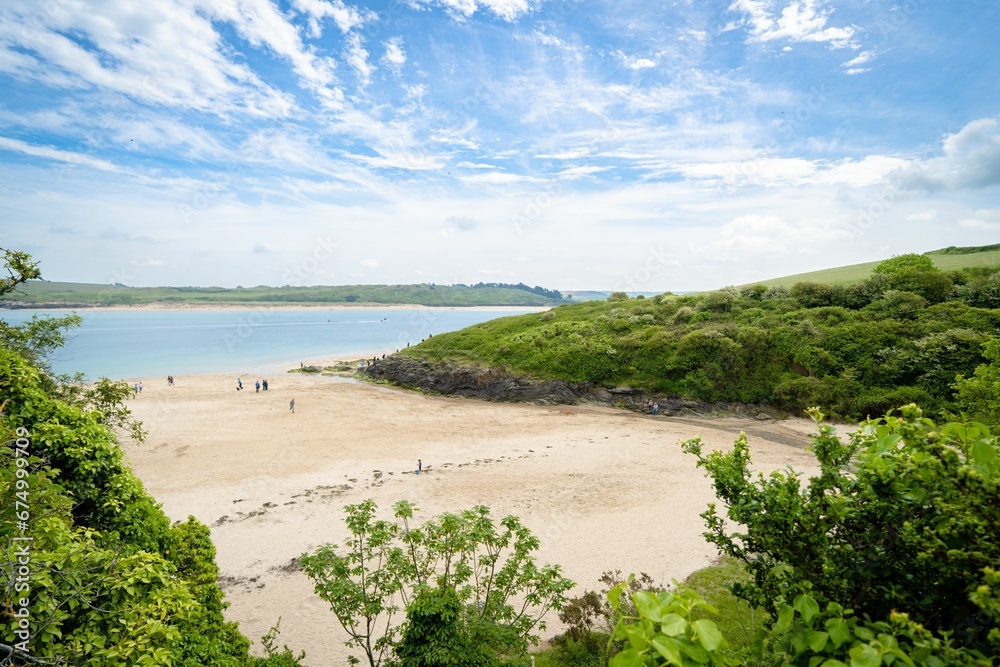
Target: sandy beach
(602,488)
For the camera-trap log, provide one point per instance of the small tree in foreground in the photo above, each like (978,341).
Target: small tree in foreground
(902,519)
(387,567)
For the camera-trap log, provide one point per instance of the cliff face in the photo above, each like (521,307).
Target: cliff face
(501,384)
(489,383)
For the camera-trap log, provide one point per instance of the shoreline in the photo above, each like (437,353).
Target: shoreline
(267,306)
(257,474)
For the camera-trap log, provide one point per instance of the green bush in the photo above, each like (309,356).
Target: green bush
(901,518)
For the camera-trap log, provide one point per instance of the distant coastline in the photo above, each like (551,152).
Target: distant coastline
(258,306)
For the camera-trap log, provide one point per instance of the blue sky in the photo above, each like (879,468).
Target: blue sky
(577,145)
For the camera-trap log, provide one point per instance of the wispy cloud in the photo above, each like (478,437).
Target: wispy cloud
(56,154)
(493,127)
(798,21)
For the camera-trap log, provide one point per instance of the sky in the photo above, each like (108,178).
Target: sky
(619,144)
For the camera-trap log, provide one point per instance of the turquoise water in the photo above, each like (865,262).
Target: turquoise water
(150,343)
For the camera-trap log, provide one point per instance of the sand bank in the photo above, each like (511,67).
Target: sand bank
(603,489)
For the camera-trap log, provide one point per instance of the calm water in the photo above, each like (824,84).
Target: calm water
(150,343)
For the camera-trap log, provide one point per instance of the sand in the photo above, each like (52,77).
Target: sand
(602,488)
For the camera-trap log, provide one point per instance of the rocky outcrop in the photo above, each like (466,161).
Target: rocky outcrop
(490,383)
(493,383)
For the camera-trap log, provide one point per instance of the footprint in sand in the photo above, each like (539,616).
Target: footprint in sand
(182,451)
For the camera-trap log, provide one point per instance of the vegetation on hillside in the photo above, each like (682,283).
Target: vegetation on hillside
(890,555)
(946,259)
(427,294)
(901,336)
(95,574)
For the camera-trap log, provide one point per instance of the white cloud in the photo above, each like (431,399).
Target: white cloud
(508,10)
(548,39)
(346,18)
(493,178)
(370,263)
(357,57)
(971,160)
(56,154)
(634,62)
(581,171)
(395,56)
(923,216)
(983,220)
(800,21)
(766,171)
(774,235)
(870,170)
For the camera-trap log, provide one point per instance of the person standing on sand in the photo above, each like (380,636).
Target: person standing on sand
(265,385)
(256,386)
(420,466)
(239,384)
(291,406)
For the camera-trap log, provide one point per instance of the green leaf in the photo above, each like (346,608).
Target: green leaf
(708,634)
(983,453)
(833,663)
(674,625)
(628,658)
(865,656)
(806,606)
(614,597)
(785,615)
(839,631)
(648,605)
(668,648)
(817,640)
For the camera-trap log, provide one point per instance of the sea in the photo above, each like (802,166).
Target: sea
(131,344)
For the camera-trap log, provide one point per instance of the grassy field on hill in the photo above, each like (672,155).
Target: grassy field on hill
(946,259)
(80,294)
(893,339)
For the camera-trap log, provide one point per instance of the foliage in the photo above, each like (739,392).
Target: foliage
(978,396)
(503,594)
(858,350)
(434,635)
(20,269)
(662,632)
(908,262)
(902,517)
(106,580)
(590,621)
(737,621)
(76,295)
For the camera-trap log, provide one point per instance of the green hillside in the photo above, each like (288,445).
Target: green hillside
(427,294)
(946,259)
(900,336)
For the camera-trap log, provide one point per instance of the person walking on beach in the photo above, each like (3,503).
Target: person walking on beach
(291,406)
(239,384)
(256,386)
(140,387)
(420,466)
(265,385)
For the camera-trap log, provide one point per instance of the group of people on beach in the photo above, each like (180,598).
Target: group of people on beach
(651,406)
(258,385)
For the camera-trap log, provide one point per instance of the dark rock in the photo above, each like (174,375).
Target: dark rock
(493,383)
